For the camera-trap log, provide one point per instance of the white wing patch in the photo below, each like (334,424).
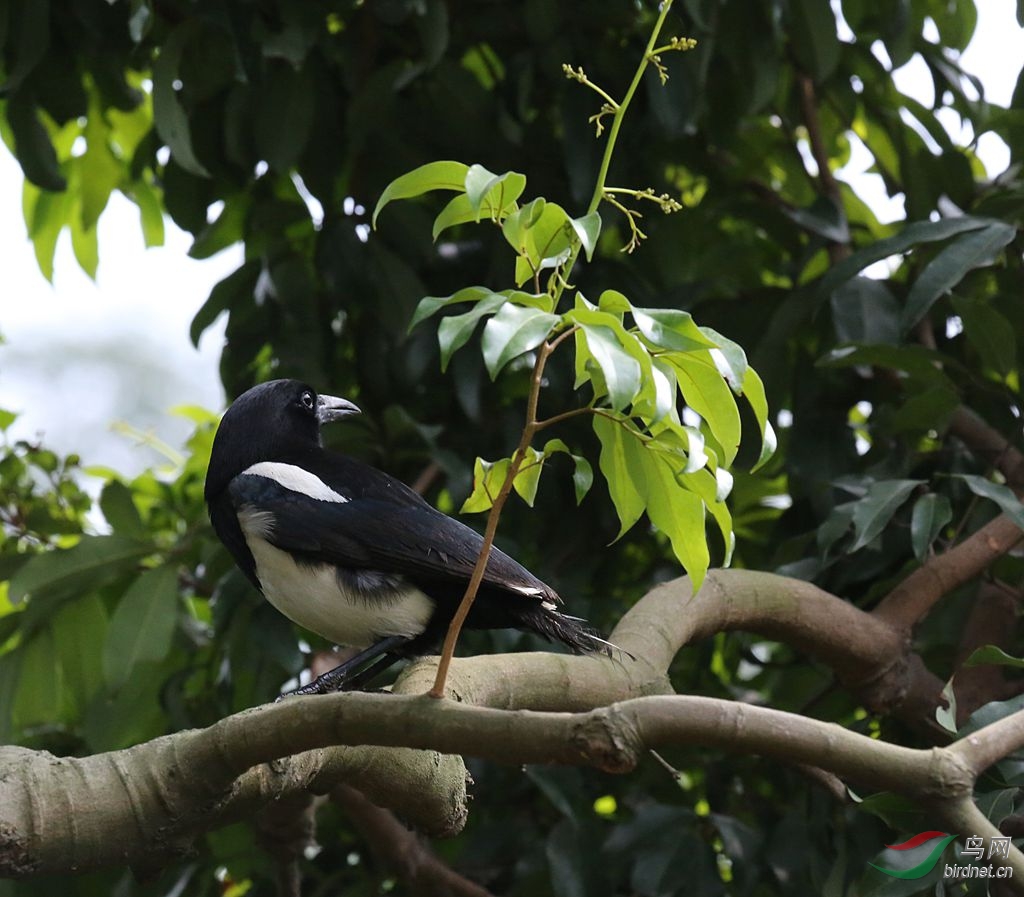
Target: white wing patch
(295,479)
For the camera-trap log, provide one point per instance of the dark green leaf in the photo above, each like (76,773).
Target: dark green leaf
(142,625)
(172,122)
(911,236)
(32,145)
(105,555)
(815,40)
(875,510)
(79,630)
(1001,495)
(931,513)
(120,511)
(865,311)
(991,334)
(947,269)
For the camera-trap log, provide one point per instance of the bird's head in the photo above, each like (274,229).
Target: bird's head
(269,421)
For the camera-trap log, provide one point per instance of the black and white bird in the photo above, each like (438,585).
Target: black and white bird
(351,553)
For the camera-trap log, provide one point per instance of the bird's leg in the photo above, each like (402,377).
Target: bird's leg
(335,680)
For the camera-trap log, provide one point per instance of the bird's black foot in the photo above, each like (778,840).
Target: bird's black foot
(348,676)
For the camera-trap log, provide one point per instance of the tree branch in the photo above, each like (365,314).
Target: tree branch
(401,851)
(911,600)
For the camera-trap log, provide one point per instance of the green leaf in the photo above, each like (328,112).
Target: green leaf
(528,478)
(708,394)
(814,39)
(931,513)
(432,176)
(540,240)
(64,569)
(992,654)
(948,268)
(454,331)
(588,229)
(729,358)
(79,630)
(143,624)
(753,390)
(32,143)
(119,509)
(1001,495)
(151,213)
(865,311)
(283,119)
(39,698)
(488,478)
(170,118)
(991,334)
(629,503)
(430,305)
(676,511)
(582,477)
(622,373)
(669,328)
(911,236)
(875,510)
(513,331)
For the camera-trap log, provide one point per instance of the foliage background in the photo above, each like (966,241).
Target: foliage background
(149,630)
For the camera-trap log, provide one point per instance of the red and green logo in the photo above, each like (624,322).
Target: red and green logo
(937,841)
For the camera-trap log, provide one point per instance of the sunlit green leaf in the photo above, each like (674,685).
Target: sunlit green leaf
(513,331)
(444,175)
(629,503)
(488,477)
(455,330)
(588,229)
(430,305)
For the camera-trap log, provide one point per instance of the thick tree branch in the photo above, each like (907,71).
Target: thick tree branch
(868,655)
(610,738)
(148,803)
(911,600)
(986,441)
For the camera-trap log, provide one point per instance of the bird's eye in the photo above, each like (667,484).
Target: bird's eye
(307,400)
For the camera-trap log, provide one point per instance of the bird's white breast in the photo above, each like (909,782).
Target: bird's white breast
(315,597)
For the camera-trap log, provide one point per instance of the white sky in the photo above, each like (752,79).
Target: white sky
(81,355)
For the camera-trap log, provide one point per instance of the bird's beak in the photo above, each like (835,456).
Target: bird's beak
(330,408)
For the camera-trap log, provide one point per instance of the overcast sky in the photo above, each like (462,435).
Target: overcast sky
(80,356)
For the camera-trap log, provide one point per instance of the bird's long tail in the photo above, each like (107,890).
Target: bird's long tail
(573,632)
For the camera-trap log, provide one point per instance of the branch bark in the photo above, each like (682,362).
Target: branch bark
(145,805)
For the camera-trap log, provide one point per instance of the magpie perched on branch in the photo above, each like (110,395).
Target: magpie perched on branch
(351,553)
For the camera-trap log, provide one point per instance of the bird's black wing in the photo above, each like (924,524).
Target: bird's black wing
(380,525)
